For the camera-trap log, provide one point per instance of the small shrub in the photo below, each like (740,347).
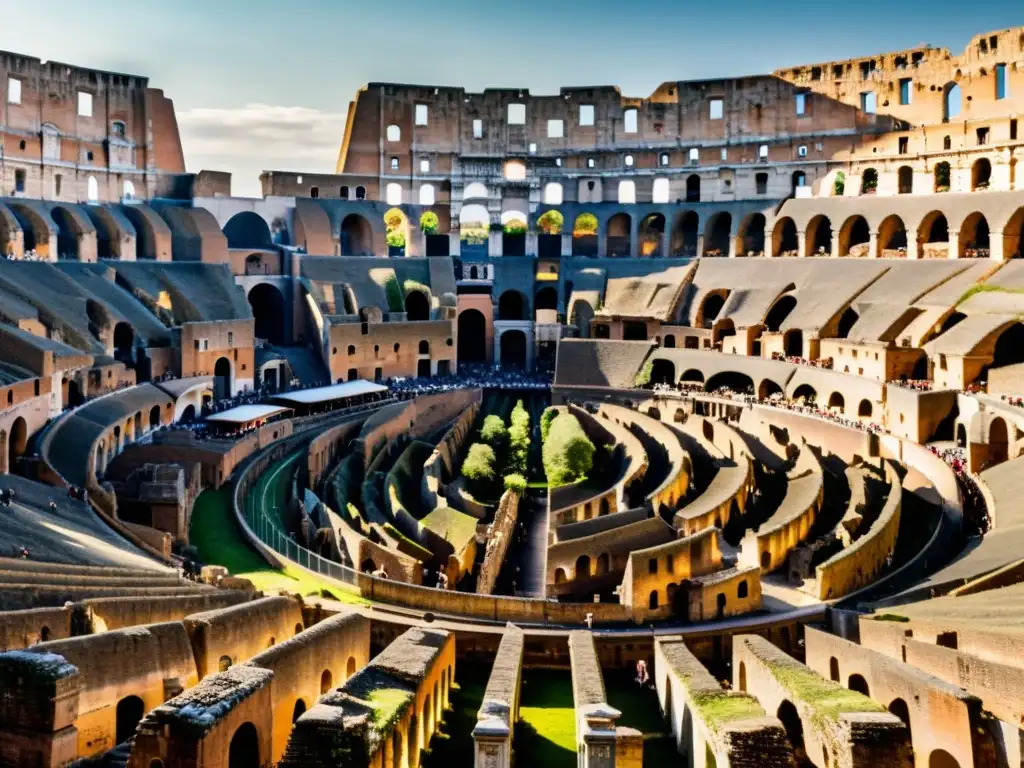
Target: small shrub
(568,453)
(494,433)
(586,224)
(519,440)
(394,218)
(411,286)
(545,423)
(393,292)
(839,186)
(515,482)
(551,223)
(478,468)
(515,227)
(396,238)
(429,223)
(643,376)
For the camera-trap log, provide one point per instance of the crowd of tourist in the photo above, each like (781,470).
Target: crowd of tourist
(825,362)
(29,255)
(469,377)
(918,385)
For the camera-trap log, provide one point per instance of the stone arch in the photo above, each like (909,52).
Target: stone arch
(998,441)
(1013,235)
(247,229)
(11,236)
(546,298)
(475,190)
(223,378)
(790,719)
(268,310)
(512,306)
(940,758)
(617,234)
(710,307)
(974,239)
(356,236)
(836,401)
(905,180)
(734,380)
(785,240)
(124,342)
(805,393)
(129,712)
(152,234)
(693,188)
(899,708)
(743,677)
(651,235)
(582,567)
(854,232)
(981,174)
(942,178)
(35,229)
(779,311)
(892,236)
(692,374)
(513,350)
(847,320)
(472,337)
(833,670)
(767,388)
(350,667)
(819,236)
(417,306)
(244,750)
(717,234)
(869,181)
(857,683)
(602,564)
(73,231)
(933,236)
(685,234)
(581,315)
(865,409)
(951,101)
(663,372)
(751,235)
(325,681)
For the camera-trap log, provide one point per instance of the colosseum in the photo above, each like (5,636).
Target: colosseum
(549,430)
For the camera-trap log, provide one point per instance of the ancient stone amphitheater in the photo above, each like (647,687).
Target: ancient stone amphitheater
(543,468)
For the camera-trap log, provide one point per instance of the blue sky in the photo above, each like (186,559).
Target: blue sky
(265,85)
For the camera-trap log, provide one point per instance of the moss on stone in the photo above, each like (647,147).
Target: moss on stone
(388,705)
(891,617)
(720,708)
(827,699)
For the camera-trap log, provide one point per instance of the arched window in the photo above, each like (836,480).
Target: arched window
(660,191)
(627,192)
(117,129)
(951,103)
(553,194)
(394,133)
(360,193)
(663,159)
(393,194)
(343,192)
(93,190)
(128,192)
(427,194)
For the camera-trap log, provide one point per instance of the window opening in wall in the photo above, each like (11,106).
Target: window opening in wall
(360,193)
(627,192)
(314,192)
(421,114)
(801,151)
(57,184)
(427,194)
(586,114)
(628,161)
(866,68)
(13,90)
(982,134)
(88,156)
(1013,130)
(904,145)
(868,102)
(558,162)
(947,142)
(694,156)
(801,104)
(394,163)
(629,121)
(393,194)
(663,159)
(906,91)
(660,191)
(424,166)
(725,154)
(533,148)
(715,109)
(761,180)
(394,133)
(1002,86)
(590,162)
(762,152)
(516,114)
(84,104)
(478,129)
(556,129)
(117,128)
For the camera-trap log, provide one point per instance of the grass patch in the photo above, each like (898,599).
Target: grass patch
(452,745)
(640,710)
(985,288)
(721,708)
(828,699)
(891,617)
(545,735)
(214,532)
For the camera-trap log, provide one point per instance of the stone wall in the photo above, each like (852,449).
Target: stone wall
(19,629)
(499,537)
(499,712)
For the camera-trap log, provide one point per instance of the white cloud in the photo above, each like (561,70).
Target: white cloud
(258,137)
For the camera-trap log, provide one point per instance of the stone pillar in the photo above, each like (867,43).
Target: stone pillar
(666,239)
(634,236)
(493,738)
(567,243)
(954,245)
(913,247)
(801,244)
(700,243)
(455,243)
(873,246)
(602,240)
(596,736)
(732,245)
(995,246)
(531,242)
(494,242)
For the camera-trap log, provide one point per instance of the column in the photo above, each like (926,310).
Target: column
(801,244)
(531,242)
(954,245)
(873,246)
(995,245)
(493,743)
(666,239)
(634,236)
(494,242)
(454,243)
(567,243)
(596,724)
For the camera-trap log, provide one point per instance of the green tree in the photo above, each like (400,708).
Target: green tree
(478,468)
(643,376)
(394,218)
(429,223)
(545,423)
(586,224)
(494,433)
(519,440)
(568,453)
(839,187)
(515,227)
(515,482)
(551,222)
